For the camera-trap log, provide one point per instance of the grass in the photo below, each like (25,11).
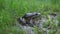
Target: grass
(11,9)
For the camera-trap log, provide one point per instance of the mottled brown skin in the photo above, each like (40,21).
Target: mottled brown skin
(27,20)
(20,22)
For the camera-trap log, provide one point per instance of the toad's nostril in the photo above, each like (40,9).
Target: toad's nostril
(39,13)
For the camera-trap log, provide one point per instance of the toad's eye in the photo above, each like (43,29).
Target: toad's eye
(36,14)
